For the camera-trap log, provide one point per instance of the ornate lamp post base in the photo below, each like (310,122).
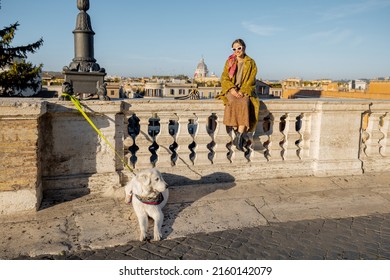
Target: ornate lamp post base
(85,85)
(84,77)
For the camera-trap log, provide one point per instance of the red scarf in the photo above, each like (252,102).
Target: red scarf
(232,64)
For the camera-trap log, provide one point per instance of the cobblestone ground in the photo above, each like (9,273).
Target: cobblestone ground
(351,238)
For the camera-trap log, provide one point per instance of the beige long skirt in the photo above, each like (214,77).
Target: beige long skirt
(236,111)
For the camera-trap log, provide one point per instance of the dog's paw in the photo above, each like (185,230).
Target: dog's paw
(157,237)
(142,237)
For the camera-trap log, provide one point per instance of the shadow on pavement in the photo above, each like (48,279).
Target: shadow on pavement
(182,195)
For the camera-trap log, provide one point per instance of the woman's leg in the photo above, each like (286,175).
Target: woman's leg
(237,118)
(242,129)
(239,141)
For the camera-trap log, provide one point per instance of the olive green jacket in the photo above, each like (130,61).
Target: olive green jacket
(248,88)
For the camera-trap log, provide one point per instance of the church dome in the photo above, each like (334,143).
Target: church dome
(202,65)
(201,69)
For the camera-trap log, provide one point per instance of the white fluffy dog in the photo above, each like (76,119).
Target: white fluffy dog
(148,193)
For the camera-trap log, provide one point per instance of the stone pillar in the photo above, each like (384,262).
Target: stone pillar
(74,157)
(20,155)
(336,130)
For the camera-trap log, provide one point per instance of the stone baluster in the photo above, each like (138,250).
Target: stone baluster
(144,141)
(127,143)
(211,131)
(260,139)
(304,143)
(185,139)
(292,137)
(364,136)
(164,140)
(132,126)
(202,139)
(221,139)
(374,135)
(385,141)
(277,137)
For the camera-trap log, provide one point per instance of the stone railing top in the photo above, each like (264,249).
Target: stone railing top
(39,106)
(22,107)
(89,106)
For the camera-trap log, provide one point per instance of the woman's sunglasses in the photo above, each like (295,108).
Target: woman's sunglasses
(237,49)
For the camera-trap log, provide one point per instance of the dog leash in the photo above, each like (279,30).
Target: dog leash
(78,105)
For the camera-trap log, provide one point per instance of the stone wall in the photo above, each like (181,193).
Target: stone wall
(48,149)
(20,154)
(74,156)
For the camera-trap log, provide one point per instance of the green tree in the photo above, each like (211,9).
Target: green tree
(16,74)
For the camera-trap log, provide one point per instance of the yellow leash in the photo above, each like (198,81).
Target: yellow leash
(77,103)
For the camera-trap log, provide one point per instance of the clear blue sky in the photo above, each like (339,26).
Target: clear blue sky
(336,39)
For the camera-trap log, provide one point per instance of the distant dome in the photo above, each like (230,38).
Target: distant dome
(202,65)
(201,69)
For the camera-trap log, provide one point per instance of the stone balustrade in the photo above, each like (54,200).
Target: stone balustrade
(48,149)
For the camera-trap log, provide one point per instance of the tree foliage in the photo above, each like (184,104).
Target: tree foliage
(16,74)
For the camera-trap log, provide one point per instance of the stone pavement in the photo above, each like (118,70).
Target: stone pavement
(292,218)
(353,238)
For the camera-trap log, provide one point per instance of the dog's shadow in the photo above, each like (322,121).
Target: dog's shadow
(183,192)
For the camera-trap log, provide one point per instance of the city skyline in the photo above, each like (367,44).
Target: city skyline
(321,40)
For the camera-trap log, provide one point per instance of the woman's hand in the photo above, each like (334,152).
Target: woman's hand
(236,93)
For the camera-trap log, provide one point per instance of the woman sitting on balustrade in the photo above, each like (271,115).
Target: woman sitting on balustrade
(238,83)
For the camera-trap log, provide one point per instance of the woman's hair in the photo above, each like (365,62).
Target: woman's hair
(240,41)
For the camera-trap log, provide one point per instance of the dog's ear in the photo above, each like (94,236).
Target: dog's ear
(144,179)
(161,178)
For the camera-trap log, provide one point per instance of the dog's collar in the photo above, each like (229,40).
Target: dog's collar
(156,200)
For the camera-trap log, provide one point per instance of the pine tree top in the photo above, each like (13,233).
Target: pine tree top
(9,53)
(16,74)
